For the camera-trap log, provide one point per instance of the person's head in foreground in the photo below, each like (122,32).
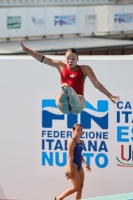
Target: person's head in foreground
(77,130)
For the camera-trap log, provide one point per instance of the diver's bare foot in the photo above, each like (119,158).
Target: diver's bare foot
(70,91)
(64,87)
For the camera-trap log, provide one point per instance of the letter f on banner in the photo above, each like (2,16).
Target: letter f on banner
(48,117)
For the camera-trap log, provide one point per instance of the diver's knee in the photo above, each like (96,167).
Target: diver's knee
(76,111)
(63,109)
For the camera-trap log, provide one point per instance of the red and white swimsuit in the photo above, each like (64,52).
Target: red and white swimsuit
(75,79)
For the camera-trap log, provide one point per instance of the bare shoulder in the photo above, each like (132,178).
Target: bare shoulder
(85,67)
(62,66)
(71,142)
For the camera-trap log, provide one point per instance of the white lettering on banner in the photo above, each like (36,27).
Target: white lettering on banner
(13,22)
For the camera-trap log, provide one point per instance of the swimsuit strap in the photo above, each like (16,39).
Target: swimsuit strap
(80,141)
(74,140)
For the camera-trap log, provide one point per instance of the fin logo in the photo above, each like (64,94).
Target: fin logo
(64,20)
(85,116)
(123,18)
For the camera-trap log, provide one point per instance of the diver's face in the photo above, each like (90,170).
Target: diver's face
(78,131)
(71,59)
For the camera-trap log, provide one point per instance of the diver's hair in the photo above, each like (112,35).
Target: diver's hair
(73,50)
(75,125)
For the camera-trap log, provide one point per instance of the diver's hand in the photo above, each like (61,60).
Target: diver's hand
(22,45)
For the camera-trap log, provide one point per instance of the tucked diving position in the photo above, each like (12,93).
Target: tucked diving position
(71,95)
